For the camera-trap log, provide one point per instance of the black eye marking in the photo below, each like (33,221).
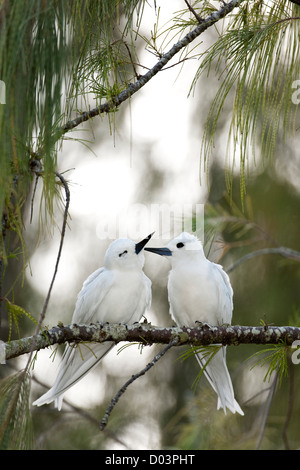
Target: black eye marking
(121,254)
(180,245)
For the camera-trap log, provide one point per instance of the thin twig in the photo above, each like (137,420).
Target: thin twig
(33,195)
(131,60)
(116,398)
(198,18)
(281,250)
(63,230)
(35,167)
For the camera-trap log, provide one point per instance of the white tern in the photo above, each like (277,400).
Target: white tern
(118,292)
(199,290)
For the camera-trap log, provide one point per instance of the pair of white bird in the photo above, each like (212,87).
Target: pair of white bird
(120,292)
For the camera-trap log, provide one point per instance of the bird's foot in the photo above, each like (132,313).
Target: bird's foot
(202,324)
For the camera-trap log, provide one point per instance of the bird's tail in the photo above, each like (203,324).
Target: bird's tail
(216,372)
(77,361)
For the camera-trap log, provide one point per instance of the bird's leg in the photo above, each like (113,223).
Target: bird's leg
(202,324)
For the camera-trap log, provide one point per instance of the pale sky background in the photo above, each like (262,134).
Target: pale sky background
(104,184)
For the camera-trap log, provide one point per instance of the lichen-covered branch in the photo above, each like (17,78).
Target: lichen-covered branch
(148,334)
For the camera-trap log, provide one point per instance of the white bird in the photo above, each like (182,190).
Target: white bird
(199,290)
(118,292)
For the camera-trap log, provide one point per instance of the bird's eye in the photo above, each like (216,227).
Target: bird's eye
(121,254)
(180,245)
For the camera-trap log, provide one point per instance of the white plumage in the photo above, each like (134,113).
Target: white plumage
(118,292)
(200,290)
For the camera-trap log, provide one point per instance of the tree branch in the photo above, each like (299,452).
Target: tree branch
(134,87)
(147,334)
(134,377)
(281,250)
(198,18)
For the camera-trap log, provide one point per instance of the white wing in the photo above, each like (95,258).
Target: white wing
(95,288)
(147,297)
(225,294)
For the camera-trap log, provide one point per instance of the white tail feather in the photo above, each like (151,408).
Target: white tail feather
(77,361)
(218,376)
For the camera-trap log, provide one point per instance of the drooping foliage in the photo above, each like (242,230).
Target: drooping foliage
(44,47)
(257,62)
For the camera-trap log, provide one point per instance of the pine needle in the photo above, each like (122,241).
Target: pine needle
(15,418)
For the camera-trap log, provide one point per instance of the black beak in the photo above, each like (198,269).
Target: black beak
(140,245)
(160,251)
